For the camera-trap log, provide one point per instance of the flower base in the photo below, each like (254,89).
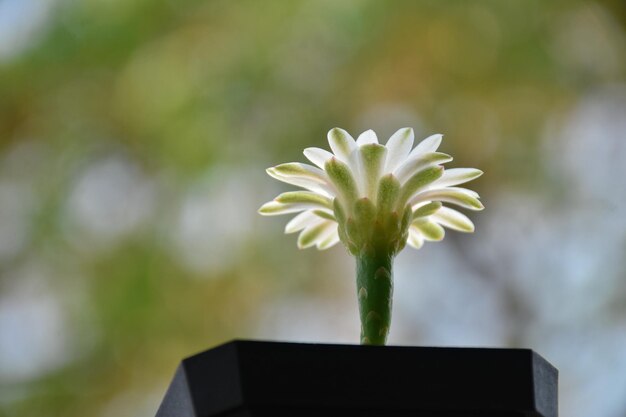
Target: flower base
(267,379)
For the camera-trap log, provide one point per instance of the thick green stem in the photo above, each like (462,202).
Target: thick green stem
(375,291)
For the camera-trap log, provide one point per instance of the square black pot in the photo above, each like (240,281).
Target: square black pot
(267,379)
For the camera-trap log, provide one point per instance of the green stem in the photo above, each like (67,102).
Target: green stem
(375,291)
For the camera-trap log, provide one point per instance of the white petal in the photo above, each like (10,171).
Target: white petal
(274,208)
(346,150)
(415,238)
(341,143)
(303,175)
(465,191)
(297,169)
(301,221)
(459,196)
(331,240)
(430,144)
(367,137)
(297,197)
(429,230)
(312,234)
(420,161)
(309,185)
(462,190)
(456,176)
(398,148)
(318,156)
(356,166)
(452,219)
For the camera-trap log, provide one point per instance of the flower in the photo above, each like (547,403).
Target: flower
(373,196)
(375,199)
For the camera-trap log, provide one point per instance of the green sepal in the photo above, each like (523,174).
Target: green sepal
(341,177)
(391,224)
(372,159)
(388,192)
(364,213)
(354,232)
(339,212)
(343,237)
(407,218)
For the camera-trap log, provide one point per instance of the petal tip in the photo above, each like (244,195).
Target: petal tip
(330,163)
(335,131)
(264,210)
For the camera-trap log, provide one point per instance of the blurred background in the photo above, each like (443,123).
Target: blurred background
(133,141)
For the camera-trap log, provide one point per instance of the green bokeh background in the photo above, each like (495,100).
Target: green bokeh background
(133,139)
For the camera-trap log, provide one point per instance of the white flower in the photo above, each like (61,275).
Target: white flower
(376,196)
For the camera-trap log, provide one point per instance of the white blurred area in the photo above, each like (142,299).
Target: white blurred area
(34,335)
(110,200)
(212,222)
(22,23)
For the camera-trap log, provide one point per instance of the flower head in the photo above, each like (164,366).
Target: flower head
(374,197)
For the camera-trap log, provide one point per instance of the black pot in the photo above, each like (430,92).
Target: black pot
(267,379)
